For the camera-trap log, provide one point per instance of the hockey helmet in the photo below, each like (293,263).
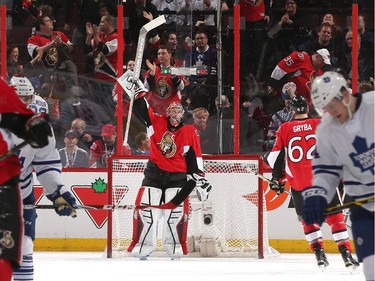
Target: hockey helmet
(299,105)
(23,86)
(174,115)
(327,87)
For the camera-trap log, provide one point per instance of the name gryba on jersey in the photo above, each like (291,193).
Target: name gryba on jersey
(302,128)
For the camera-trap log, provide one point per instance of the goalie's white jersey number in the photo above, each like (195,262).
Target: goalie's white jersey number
(297,147)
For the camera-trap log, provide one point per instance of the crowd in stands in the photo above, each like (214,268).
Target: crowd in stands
(70,57)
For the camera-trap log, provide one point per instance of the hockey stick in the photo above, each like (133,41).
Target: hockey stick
(177,200)
(13,150)
(264,178)
(138,64)
(348,205)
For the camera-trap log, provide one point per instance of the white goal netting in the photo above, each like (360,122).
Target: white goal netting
(232,222)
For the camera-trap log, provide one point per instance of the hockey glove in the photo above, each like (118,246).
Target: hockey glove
(313,205)
(132,87)
(37,130)
(277,185)
(202,186)
(64,201)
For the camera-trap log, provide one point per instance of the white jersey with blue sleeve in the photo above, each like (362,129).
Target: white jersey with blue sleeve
(346,151)
(45,162)
(39,105)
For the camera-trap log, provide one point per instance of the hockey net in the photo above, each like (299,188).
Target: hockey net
(232,222)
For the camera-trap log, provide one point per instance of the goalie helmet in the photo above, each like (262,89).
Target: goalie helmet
(299,105)
(327,87)
(175,112)
(23,87)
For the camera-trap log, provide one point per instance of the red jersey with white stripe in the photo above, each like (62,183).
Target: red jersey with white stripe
(168,149)
(163,92)
(299,65)
(298,139)
(106,64)
(37,40)
(252,10)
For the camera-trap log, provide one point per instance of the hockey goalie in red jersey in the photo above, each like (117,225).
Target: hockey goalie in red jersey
(294,148)
(17,119)
(175,161)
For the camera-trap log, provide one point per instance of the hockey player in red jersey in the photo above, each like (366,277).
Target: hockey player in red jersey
(17,119)
(175,160)
(300,68)
(295,142)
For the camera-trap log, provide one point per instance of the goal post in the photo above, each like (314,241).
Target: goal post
(231,223)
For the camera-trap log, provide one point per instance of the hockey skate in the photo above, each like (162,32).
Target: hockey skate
(321,258)
(351,263)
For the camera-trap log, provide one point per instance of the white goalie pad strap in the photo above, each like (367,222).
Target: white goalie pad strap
(172,221)
(149,219)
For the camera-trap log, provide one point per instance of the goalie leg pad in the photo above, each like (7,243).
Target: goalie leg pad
(175,226)
(26,269)
(145,223)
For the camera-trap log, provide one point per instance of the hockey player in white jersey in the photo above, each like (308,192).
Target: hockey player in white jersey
(345,150)
(46,163)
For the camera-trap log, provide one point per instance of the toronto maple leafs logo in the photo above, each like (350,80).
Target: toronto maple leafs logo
(364,158)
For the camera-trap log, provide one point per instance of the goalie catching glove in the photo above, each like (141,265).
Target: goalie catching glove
(132,87)
(202,186)
(64,201)
(277,185)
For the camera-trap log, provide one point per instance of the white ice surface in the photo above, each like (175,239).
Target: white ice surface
(83,266)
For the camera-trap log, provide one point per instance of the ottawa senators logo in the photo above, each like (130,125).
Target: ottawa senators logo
(167,145)
(6,239)
(254,2)
(163,90)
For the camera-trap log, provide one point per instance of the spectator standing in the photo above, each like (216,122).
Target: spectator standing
(101,45)
(293,29)
(42,45)
(201,91)
(300,68)
(322,40)
(139,12)
(256,14)
(163,87)
(71,155)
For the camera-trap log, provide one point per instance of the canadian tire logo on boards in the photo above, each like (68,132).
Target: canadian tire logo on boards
(97,194)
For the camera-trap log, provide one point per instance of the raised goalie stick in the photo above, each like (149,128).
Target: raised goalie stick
(138,65)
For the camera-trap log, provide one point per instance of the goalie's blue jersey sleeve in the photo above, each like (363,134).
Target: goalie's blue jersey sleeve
(346,151)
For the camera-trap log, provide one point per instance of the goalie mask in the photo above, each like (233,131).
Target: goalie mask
(24,89)
(175,112)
